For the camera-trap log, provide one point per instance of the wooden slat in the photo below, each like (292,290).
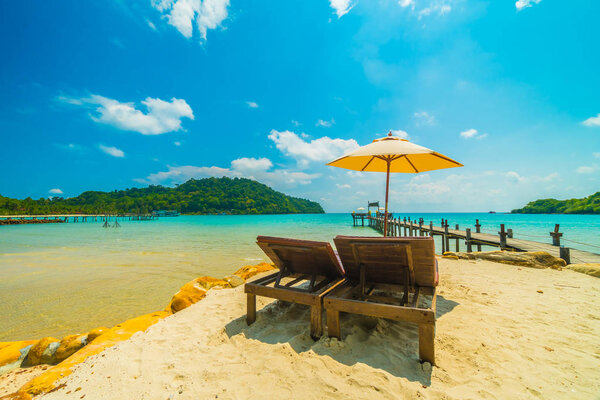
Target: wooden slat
(398,313)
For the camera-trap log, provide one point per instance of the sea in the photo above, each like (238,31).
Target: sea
(60,279)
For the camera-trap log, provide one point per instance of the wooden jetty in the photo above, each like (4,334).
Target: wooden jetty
(79,217)
(473,240)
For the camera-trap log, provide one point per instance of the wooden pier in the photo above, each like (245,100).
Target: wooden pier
(473,240)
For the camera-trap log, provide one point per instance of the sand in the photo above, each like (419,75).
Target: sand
(502,332)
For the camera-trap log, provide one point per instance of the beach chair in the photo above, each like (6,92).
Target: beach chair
(307,271)
(387,278)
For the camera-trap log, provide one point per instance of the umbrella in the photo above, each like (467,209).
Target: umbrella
(393,154)
(360,208)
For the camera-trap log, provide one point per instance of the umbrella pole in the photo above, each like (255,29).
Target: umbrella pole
(387,191)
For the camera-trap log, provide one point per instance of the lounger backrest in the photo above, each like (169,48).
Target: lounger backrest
(386,263)
(302,256)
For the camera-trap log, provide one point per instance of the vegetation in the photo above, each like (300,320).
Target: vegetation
(203,196)
(587,205)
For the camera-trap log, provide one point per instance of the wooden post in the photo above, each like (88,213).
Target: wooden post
(333,324)
(468,240)
(565,254)
(502,234)
(316,321)
(420,226)
(478,230)
(509,233)
(431,228)
(446,239)
(556,235)
(457,240)
(250,308)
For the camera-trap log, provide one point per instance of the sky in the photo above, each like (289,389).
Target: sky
(105,95)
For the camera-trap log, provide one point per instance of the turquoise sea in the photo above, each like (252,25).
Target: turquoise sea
(58,279)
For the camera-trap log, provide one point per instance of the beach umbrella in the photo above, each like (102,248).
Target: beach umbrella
(393,154)
(360,208)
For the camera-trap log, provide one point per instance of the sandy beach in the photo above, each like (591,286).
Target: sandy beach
(503,331)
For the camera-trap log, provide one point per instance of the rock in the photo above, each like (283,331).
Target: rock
(38,351)
(189,294)
(531,259)
(45,381)
(234,280)
(249,271)
(13,353)
(208,282)
(449,255)
(589,269)
(94,333)
(48,356)
(68,346)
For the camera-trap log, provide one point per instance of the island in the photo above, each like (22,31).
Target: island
(196,196)
(587,205)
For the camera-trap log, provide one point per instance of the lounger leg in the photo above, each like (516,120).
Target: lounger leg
(333,324)
(250,308)
(426,339)
(316,321)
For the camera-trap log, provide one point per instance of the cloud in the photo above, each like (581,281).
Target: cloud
(343,186)
(592,121)
(160,116)
(184,14)
(586,170)
(400,133)
(55,191)
(551,177)
(515,177)
(424,118)
(521,4)
(341,7)
(252,104)
(70,146)
(596,155)
(112,151)
(322,149)
(472,133)
(177,144)
(325,124)
(296,123)
(253,168)
(406,3)
(439,8)
(151,25)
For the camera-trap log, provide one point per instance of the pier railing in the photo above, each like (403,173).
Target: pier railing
(473,239)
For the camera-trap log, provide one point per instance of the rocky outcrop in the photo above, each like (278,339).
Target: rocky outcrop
(12,354)
(592,269)
(68,346)
(249,271)
(42,352)
(531,259)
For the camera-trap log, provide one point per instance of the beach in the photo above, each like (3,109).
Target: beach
(503,331)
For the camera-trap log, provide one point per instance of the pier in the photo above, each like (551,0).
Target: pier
(474,239)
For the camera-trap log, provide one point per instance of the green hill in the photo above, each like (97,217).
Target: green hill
(587,205)
(196,196)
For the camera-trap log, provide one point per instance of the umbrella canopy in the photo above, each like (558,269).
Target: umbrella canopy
(393,154)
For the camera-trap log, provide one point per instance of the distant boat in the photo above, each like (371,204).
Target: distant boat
(491,212)
(165,213)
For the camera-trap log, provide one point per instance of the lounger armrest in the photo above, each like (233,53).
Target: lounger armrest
(333,287)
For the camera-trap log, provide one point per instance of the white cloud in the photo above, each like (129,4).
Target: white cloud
(325,124)
(597,155)
(592,121)
(515,177)
(161,116)
(296,123)
(424,118)
(322,149)
(253,168)
(550,177)
(343,186)
(521,4)
(112,151)
(70,146)
(252,104)
(439,8)
(341,7)
(184,14)
(55,191)
(406,3)
(151,25)
(177,144)
(585,170)
(472,134)
(400,133)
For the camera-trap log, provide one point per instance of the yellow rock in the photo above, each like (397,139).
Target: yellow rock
(449,255)
(208,282)
(234,280)
(10,352)
(531,259)
(36,354)
(94,333)
(190,293)
(46,381)
(592,269)
(249,271)
(69,345)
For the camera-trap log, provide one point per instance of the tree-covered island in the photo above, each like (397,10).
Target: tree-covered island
(587,205)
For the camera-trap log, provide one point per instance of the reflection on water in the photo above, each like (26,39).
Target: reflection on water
(58,279)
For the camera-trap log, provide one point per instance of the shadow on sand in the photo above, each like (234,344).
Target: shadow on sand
(388,345)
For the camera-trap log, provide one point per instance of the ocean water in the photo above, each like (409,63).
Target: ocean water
(59,279)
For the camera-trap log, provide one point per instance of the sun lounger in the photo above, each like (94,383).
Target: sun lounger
(387,278)
(307,271)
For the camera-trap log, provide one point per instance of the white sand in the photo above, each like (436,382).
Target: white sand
(497,337)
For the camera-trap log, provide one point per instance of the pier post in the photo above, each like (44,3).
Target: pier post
(509,233)
(556,236)
(502,234)
(478,230)
(565,254)
(420,226)
(404,226)
(431,228)
(457,239)
(446,246)
(468,240)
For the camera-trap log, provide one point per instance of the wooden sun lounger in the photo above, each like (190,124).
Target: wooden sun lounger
(404,267)
(310,270)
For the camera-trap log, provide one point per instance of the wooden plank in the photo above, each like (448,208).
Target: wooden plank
(250,309)
(316,321)
(426,343)
(333,324)
(398,313)
(286,294)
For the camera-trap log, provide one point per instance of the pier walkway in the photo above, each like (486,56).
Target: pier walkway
(474,240)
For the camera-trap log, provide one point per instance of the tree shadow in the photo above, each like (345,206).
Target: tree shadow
(383,344)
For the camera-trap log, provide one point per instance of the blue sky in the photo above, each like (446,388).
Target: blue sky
(103,95)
